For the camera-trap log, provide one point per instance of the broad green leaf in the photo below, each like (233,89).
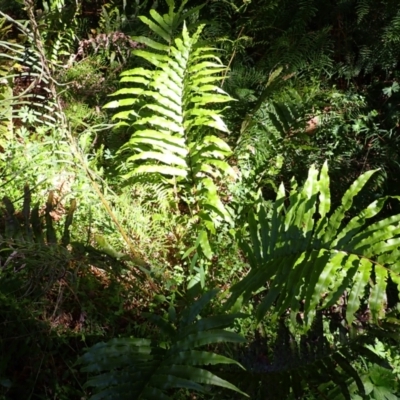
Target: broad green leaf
(135,79)
(313,287)
(159,135)
(329,274)
(273,75)
(205,338)
(349,370)
(172,94)
(202,275)
(255,241)
(158,60)
(343,279)
(356,223)
(375,249)
(161,21)
(205,244)
(169,147)
(166,112)
(278,286)
(378,293)
(162,123)
(206,68)
(324,200)
(306,209)
(190,313)
(209,99)
(164,380)
(161,169)
(357,291)
(156,28)
(197,357)
(161,323)
(166,158)
(347,201)
(200,375)
(382,230)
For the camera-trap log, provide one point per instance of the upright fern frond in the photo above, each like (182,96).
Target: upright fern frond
(308,256)
(170,111)
(141,369)
(177,93)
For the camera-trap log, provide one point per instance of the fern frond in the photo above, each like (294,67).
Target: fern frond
(294,366)
(179,89)
(174,113)
(27,95)
(141,369)
(308,255)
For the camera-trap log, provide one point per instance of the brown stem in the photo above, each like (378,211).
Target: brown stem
(231,59)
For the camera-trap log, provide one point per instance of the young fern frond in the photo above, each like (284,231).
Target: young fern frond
(128,368)
(308,255)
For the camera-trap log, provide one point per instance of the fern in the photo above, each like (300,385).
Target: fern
(307,255)
(169,109)
(363,8)
(292,366)
(129,368)
(30,245)
(26,85)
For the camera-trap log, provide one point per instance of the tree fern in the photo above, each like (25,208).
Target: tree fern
(169,108)
(129,368)
(305,254)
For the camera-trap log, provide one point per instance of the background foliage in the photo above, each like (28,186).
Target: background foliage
(151,152)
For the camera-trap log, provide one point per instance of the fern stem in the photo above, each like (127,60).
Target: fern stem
(231,59)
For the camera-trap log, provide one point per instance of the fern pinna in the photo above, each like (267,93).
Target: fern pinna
(308,257)
(129,368)
(169,108)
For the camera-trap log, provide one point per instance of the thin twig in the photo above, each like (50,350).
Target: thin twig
(231,59)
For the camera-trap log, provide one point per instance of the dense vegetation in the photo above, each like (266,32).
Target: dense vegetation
(200,200)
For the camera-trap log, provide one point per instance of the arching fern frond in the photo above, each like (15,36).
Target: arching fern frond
(129,368)
(292,366)
(307,255)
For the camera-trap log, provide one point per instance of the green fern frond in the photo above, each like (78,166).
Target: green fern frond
(174,113)
(363,8)
(179,90)
(294,365)
(308,255)
(141,369)
(28,98)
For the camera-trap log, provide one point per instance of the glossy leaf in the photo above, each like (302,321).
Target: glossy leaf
(143,369)
(314,261)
